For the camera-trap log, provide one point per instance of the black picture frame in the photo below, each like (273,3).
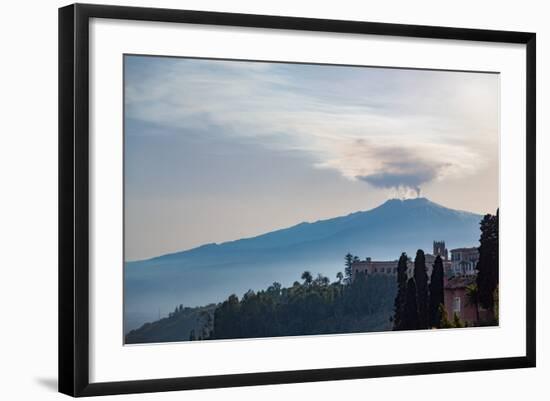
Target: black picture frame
(74,198)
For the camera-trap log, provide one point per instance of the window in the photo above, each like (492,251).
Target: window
(456,305)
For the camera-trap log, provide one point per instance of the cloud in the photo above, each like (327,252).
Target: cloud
(389,180)
(387,128)
(403,167)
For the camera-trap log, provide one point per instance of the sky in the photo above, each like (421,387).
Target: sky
(217,150)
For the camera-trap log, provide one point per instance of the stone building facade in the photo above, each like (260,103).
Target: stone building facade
(464,261)
(389,267)
(459,273)
(456,300)
(371,267)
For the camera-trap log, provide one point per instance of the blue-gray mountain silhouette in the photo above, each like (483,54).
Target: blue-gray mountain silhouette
(210,273)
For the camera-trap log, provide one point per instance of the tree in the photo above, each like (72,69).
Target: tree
(495,310)
(487,266)
(421,281)
(457,323)
(225,316)
(307,277)
(436,292)
(303,309)
(348,271)
(472,298)
(400,298)
(357,299)
(207,325)
(339,277)
(444,323)
(410,315)
(321,281)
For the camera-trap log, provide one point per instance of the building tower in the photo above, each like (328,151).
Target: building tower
(441,250)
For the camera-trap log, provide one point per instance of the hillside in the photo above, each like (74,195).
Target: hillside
(176,327)
(209,273)
(307,308)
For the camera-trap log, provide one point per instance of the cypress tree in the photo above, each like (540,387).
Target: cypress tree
(400,298)
(487,266)
(421,281)
(436,293)
(410,315)
(348,269)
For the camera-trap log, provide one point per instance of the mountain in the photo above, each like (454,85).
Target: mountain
(210,273)
(176,327)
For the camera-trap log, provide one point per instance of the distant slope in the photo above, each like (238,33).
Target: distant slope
(366,305)
(211,272)
(176,327)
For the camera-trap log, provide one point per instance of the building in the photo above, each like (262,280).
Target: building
(456,299)
(371,267)
(460,272)
(457,302)
(389,267)
(463,261)
(439,249)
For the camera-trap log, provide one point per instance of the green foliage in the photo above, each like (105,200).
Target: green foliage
(457,323)
(421,282)
(348,270)
(444,323)
(472,298)
(436,292)
(307,277)
(207,324)
(178,326)
(410,316)
(487,266)
(400,299)
(315,306)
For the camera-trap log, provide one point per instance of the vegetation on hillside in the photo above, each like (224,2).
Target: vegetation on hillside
(312,306)
(177,326)
(353,303)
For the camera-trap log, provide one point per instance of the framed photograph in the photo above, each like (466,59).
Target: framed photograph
(251,199)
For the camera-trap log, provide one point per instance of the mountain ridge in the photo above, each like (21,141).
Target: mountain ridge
(416,202)
(211,272)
